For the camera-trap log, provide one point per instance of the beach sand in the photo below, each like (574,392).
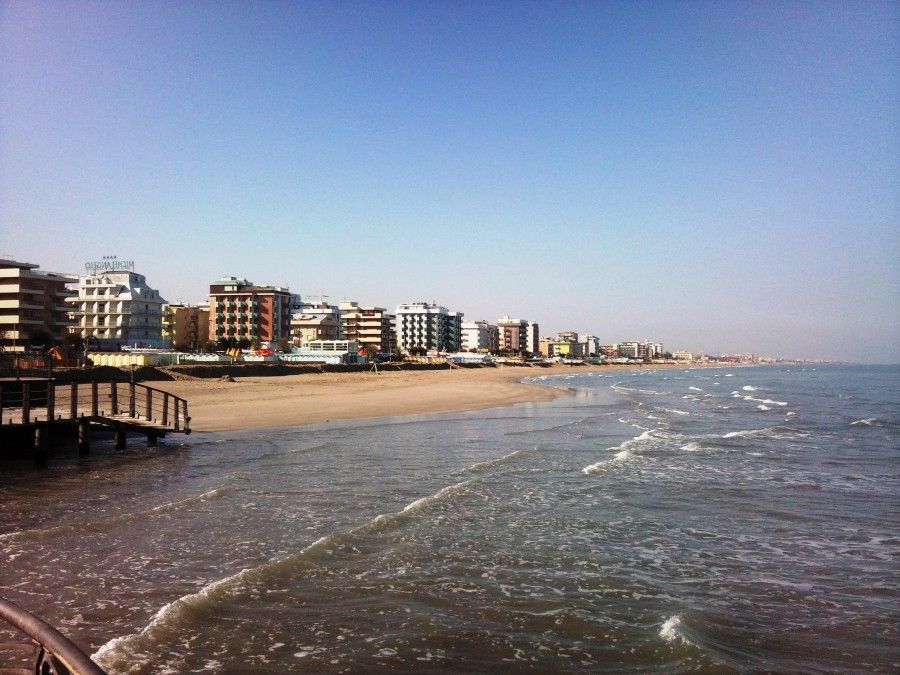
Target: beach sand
(293,400)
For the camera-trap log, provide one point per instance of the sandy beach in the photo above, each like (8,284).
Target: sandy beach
(292,400)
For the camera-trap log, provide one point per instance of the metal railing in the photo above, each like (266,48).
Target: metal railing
(52,652)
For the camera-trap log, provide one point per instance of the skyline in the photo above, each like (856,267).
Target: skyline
(722,178)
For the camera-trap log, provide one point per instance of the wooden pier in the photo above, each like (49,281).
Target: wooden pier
(36,408)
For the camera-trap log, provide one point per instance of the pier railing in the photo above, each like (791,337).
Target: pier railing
(31,401)
(48,652)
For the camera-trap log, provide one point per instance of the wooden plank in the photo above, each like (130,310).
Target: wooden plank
(149,414)
(165,415)
(95,400)
(114,395)
(51,401)
(131,399)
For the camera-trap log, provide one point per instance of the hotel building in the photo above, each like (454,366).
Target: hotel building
(479,336)
(421,325)
(307,328)
(371,327)
(117,308)
(513,335)
(239,310)
(32,303)
(185,327)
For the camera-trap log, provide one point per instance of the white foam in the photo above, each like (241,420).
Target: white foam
(765,401)
(868,422)
(620,456)
(695,388)
(677,412)
(749,387)
(748,433)
(693,446)
(763,407)
(669,630)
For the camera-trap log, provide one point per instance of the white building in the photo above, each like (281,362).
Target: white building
(533,338)
(628,350)
(421,325)
(117,308)
(590,345)
(319,309)
(479,336)
(683,356)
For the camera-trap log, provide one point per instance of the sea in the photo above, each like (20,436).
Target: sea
(738,519)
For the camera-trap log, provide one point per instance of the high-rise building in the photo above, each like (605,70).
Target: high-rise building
(240,310)
(479,336)
(533,339)
(425,326)
(32,305)
(513,335)
(116,308)
(590,345)
(371,327)
(185,327)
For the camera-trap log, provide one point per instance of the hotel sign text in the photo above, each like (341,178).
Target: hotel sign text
(109,263)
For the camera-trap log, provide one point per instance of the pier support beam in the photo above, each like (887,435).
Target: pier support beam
(84,439)
(40,443)
(120,439)
(152,438)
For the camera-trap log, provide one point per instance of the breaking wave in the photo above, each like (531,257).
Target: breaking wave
(116,654)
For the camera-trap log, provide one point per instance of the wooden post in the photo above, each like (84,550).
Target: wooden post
(73,403)
(114,395)
(177,424)
(26,403)
(131,399)
(95,400)
(1,402)
(149,404)
(40,443)
(120,438)
(51,400)
(84,439)
(152,438)
(165,415)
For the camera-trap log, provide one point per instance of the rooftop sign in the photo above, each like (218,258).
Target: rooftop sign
(109,263)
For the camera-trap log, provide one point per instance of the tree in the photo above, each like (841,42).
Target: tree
(41,338)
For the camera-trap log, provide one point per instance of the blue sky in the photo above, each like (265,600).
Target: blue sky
(717,176)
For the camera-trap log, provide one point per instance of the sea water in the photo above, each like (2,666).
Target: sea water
(743,519)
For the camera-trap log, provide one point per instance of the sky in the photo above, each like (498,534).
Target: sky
(721,177)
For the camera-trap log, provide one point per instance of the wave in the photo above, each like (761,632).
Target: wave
(695,388)
(481,466)
(625,451)
(676,412)
(765,401)
(693,446)
(597,467)
(670,632)
(117,653)
(763,407)
(99,525)
(749,387)
(868,422)
(749,433)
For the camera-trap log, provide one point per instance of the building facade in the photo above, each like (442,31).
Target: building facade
(117,308)
(513,335)
(424,326)
(185,327)
(310,327)
(32,306)
(371,327)
(241,311)
(479,336)
(533,339)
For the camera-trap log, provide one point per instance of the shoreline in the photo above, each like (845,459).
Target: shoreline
(300,400)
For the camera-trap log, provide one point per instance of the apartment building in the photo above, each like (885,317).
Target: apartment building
(32,305)
(307,328)
(371,327)
(428,326)
(479,336)
(513,335)
(240,310)
(117,308)
(533,339)
(185,327)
